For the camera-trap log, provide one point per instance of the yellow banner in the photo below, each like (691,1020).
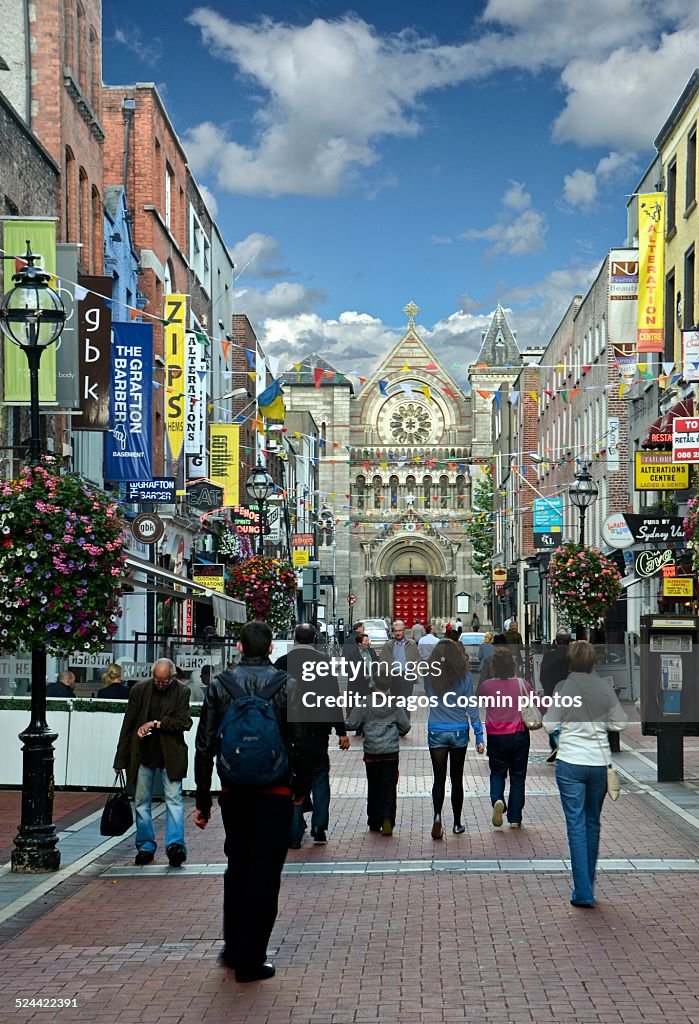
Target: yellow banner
(678,586)
(300,557)
(651,271)
(224,456)
(175,317)
(211,576)
(655,471)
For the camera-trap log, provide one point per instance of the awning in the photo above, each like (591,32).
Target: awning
(161,581)
(659,433)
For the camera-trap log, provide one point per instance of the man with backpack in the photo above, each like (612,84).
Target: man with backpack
(245,724)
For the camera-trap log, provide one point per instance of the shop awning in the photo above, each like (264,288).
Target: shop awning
(161,581)
(659,433)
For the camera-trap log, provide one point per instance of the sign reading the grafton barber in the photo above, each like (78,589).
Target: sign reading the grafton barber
(648,563)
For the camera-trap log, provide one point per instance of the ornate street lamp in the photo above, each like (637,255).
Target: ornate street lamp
(583,493)
(32,316)
(259,486)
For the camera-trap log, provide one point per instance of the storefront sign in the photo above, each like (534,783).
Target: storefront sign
(211,576)
(651,272)
(196,366)
(499,576)
(648,563)
(128,444)
(616,532)
(656,471)
(204,496)
(302,540)
(300,557)
(94,348)
(685,439)
(147,528)
(160,489)
(224,461)
(651,528)
(613,440)
(175,316)
(548,515)
(690,351)
(679,586)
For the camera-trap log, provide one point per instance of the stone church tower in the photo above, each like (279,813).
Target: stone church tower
(399,484)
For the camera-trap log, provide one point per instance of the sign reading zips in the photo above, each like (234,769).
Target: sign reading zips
(175,316)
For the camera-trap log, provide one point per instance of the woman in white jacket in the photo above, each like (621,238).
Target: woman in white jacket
(583,757)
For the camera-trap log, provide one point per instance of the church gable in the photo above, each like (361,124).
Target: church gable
(498,346)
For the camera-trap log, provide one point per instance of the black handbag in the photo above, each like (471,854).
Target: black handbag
(117,816)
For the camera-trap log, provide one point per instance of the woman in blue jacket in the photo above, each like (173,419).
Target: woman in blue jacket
(451,686)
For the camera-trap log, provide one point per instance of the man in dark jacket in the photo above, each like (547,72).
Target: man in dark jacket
(318,734)
(256,819)
(554,669)
(65,687)
(152,739)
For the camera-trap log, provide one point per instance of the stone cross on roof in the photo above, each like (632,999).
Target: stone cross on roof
(410,311)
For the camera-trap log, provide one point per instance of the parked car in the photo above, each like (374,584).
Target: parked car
(376,630)
(472,643)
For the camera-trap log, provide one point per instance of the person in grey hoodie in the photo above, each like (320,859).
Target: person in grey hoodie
(382,725)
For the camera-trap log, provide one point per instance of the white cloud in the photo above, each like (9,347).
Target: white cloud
(259,255)
(519,229)
(581,188)
(209,198)
(285,299)
(130,37)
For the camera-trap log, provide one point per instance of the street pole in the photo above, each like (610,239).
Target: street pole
(261,535)
(582,526)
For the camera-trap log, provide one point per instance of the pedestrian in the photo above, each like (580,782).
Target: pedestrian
(459,626)
(583,757)
(382,725)
(64,687)
(152,739)
(508,737)
(193,684)
(427,642)
(357,630)
(399,657)
(475,623)
(256,818)
(113,686)
(418,631)
(486,665)
(450,684)
(554,668)
(514,638)
(485,652)
(302,659)
(364,656)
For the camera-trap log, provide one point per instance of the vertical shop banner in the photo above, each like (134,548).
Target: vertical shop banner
(129,441)
(651,271)
(690,356)
(195,376)
(175,318)
(224,456)
(42,239)
(94,352)
(67,377)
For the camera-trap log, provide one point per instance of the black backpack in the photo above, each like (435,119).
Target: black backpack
(251,749)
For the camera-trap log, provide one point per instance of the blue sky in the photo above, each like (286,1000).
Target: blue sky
(459,154)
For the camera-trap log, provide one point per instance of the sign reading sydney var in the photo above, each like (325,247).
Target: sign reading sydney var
(685,439)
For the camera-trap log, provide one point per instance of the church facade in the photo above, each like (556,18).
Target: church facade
(396,467)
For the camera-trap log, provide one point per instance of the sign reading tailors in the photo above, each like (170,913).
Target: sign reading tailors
(211,576)
(656,471)
(678,586)
(300,557)
(685,439)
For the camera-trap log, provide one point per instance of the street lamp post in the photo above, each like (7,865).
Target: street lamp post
(32,316)
(259,486)
(583,493)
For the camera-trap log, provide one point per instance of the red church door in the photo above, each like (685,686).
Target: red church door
(410,600)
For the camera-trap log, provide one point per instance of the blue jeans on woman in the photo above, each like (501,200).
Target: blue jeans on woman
(174,810)
(509,752)
(583,788)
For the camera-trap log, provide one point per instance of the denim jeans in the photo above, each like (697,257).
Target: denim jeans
(509,752)
(174,810)
(454,739)
(583,788)
(320,790)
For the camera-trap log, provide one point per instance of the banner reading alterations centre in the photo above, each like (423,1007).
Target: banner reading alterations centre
(129,441)
(224,456)
(651,271)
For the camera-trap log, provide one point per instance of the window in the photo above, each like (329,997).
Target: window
(691,185)
(444,492)
(69,36)
(83,216)
(669,333)
(410,488)
(393,488)
(168,195)
(323,441)
(97,223)
(68,193)
(688,319)
(427,492)
(377,484)
(359,491)
(460,491)
(671,197)
(82,50)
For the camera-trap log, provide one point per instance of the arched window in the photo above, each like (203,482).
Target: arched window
(393,487)
(359,491)
(460,492)
(427,492)
(84,217)
(69,37)
(82,51)
(444,492)
(97,224)
(95,75)
(323,440)
(377,484)
(68,193)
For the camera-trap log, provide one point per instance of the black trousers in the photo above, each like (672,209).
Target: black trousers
(257,838)
(382,789)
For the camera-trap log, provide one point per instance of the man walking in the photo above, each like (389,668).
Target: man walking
(400,657)
(427,642)
(304,655)
(554,669)
(152,739)
(256,819)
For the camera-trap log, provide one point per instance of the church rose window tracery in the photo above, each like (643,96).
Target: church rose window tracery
(410,423)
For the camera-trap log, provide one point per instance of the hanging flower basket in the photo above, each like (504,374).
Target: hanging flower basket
(583,584)
(233,547)
(61,563)
(268,587)
(691,530)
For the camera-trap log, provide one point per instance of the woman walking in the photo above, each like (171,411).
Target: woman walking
(508,737)
(581,764)
(450,683)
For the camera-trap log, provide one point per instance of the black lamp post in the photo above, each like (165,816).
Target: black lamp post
(32,316)
(259,486)
(583,493)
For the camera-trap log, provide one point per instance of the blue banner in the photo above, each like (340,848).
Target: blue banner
(129,441)
(160,488)
(548,515)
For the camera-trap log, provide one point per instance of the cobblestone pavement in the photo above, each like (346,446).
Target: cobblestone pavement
(408,930)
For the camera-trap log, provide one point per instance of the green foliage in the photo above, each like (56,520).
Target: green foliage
(479,528)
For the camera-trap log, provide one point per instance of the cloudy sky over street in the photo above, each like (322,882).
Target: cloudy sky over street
(459,154)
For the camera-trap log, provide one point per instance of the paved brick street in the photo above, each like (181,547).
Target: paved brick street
(476,927)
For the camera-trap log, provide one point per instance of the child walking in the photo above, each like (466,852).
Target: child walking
(382,726)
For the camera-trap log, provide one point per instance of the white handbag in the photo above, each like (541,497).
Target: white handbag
(531,716)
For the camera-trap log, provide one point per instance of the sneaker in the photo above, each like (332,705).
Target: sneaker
(577,903)
(552,756)
(437,827)
(261,973)
(144,857)
(319,836)
(176,855)
(498,811)
(459,830)
(387,827)
(515,824)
